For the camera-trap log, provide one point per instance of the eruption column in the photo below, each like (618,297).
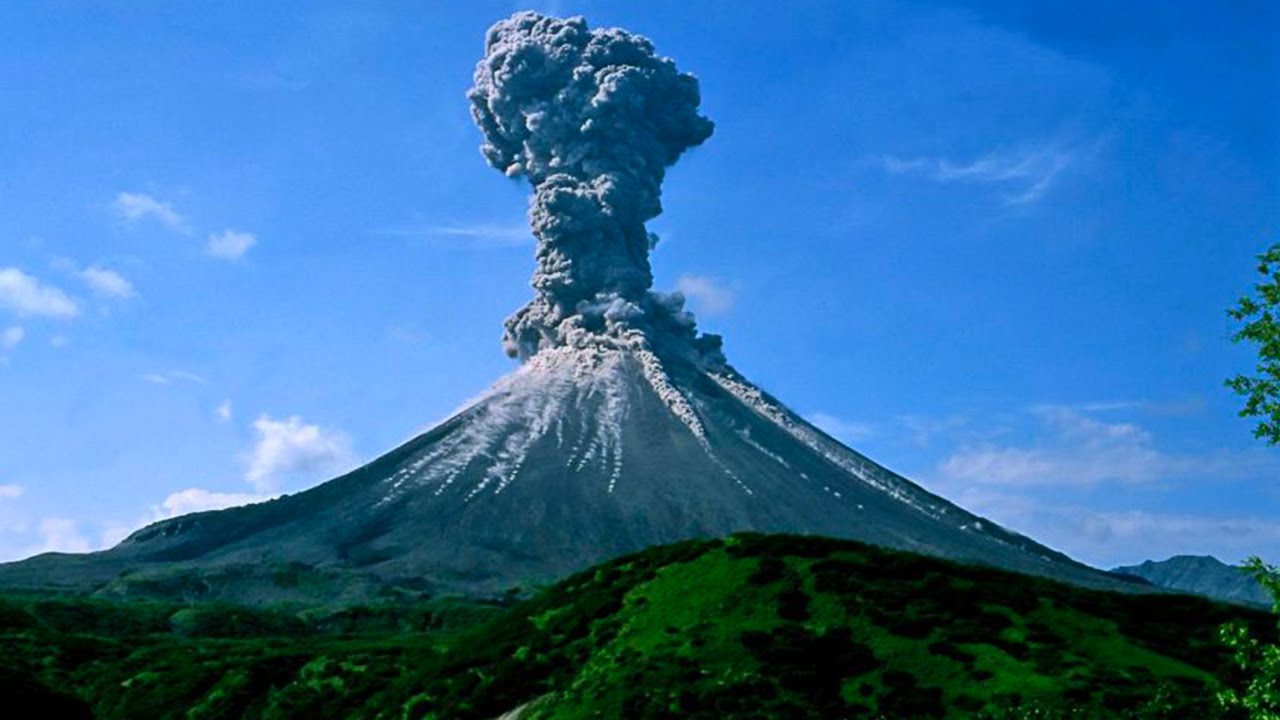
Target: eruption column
(592,118)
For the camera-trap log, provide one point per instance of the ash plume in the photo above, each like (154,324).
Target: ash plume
(592,118)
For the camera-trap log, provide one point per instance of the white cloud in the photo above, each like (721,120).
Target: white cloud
(477,236)
(408,334)
(134,207)
(1160,535)
(173,376)
(113,533)
(1061,488)
(1026,172)
(198,500)
(22,535)
(59,341)
(10,338)
(107,283)
(924,431)
(1078,450)
(1123,537)
(840,429)
(61,535)
(26,296)
(710,296)
(292,448)
(223,411)
(231,244)
(515,234)
(13,520)
(67,535)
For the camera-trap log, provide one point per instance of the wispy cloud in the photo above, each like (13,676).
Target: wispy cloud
(113,533)
(554,8)
(290,448)
(62,535)
(107,283)
(23,534)
(923,431)
(408,334)
(1106,538)
(25,296)
(199,500)
(174,376)
(11,338)
(1025,173)
(230,244)
(1075,449)
(1086,477)
(135,207)
(844,430)
(1173,408)
(473,236)
(223,412)
(709,295)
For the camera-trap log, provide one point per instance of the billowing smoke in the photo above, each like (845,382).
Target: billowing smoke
(592,118)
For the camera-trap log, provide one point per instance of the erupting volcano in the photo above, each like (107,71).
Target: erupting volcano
(623,427)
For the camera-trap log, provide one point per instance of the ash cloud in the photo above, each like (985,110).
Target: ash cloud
(591,118)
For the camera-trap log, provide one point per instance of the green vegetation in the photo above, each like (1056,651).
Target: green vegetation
(1258,661)
(749,627)
(1259,315)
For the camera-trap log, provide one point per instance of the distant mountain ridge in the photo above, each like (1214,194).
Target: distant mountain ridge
(1201,575)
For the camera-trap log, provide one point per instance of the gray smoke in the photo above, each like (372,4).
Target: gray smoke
(592,118)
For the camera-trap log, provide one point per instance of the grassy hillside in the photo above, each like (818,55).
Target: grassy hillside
(754,626)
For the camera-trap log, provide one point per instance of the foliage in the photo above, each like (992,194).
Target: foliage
(748,627)
(1258,661)
(1259,315)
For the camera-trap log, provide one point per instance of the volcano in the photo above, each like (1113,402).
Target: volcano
(622,428)
(578,456)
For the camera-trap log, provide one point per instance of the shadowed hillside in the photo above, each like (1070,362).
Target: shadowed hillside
(752,626)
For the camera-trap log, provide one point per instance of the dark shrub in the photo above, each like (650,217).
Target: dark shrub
(793,601)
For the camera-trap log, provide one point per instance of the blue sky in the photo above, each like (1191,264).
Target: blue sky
(988,244)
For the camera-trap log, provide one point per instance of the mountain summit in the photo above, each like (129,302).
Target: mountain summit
(623,427)
(1201,575)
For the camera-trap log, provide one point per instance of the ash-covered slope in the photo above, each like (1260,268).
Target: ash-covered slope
(623,428)
(577,457)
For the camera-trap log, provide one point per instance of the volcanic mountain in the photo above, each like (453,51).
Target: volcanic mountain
(578,456)
(623,427)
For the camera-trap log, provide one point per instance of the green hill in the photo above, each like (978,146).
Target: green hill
(752,626)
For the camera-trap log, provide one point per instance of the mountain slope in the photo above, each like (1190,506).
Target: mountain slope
(579,456)
(1201,575)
